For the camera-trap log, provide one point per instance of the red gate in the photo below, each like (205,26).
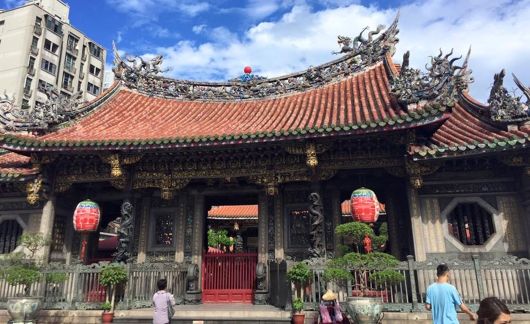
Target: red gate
(228,278)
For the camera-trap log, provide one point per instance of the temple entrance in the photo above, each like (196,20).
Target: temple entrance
(229,263)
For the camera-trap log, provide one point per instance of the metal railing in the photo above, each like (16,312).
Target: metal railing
(82,290)
(72,49)
(70,68)
(507,278)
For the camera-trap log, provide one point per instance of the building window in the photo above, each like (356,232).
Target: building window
(58,234)
(162,230)
(94,70)
(25,104)
(44,86)
(92,89)
(54,25)
(31,63)
(38,21)
(67,82)
(299,226)
(51,46)
(2,22)
(10,232)
(69,63)
(470,223)
(71,43)
(48,67)
(96,51)
(79,85)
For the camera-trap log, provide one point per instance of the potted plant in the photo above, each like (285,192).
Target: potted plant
(107,316)
(373,269)
(23,269)
(111,276)
(299,275)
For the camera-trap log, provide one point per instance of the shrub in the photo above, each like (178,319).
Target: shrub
(298,305)
(112,275)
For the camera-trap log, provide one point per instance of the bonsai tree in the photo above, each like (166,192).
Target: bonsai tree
(23,268)
(218,238)
(299,274)
(371,268)
(111,276)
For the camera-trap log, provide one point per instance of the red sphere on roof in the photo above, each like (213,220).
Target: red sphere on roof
(247,70)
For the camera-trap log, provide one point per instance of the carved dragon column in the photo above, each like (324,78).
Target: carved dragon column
(262,228)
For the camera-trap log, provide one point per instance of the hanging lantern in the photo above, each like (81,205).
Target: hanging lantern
(364,206)
(247,70)
(86,216)
(86,219)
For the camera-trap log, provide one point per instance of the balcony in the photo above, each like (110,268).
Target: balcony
(34,50)
(37,30)
(70,68)
(31,70)
(72,50)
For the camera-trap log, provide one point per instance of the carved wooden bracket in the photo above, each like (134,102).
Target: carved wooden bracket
(116,162)
(33,190)
(416,171)
(310,150)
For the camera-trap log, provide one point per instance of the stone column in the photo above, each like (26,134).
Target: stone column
(46,225)
(416,222)
(144,229)
(336,214)
(181,228)
(279,253)
(263,232)
(198,230)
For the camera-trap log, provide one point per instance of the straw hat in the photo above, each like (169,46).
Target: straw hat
(329,295)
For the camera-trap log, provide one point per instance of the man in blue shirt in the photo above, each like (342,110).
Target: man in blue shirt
(443,298)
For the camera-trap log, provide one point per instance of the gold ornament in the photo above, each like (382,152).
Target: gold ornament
(33,189)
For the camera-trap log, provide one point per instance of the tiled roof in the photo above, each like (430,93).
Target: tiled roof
(466,133)
(357,104)
(234,212)
(14,166)
(251,211)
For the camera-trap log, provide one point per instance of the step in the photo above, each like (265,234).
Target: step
(211,314)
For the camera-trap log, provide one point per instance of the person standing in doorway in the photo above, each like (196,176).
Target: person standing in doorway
(443,299)
(163,303)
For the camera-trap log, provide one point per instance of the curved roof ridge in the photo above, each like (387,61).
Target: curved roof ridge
(360,53)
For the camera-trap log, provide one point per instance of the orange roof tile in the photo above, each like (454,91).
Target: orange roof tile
(14,165)
(360,103)
(234,212)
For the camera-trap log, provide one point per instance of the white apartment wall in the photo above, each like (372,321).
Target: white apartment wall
(15,41)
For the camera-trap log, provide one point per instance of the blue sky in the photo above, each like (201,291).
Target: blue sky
(215,39)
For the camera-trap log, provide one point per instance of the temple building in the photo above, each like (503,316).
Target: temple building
(453,173)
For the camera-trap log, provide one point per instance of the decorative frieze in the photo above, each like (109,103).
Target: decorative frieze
(464,188)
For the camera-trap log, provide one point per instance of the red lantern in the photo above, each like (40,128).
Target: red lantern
(86,219)
(364,206)
(247,70)
(86,216)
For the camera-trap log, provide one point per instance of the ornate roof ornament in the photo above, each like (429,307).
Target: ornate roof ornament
(371,49)
(442,83)
(505,107)
(57,109)
(360,53)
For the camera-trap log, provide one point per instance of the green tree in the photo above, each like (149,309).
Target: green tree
(111,276)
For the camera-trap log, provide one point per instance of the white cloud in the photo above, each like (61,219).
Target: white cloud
(197,29)
(146,11)
(496,30)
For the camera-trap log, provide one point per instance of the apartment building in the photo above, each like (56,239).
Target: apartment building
(39,48)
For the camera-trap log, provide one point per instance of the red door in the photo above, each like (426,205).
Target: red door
(228,278)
